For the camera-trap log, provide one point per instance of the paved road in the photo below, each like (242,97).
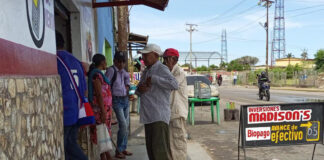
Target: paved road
(221,140)
(249,95)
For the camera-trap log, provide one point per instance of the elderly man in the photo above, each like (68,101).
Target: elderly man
(179,102)
(154,89)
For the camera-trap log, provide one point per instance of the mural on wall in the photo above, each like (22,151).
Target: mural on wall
(36,20)
(89,47)
(88,25)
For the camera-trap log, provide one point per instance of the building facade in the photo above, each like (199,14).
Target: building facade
(31,109)
(31,123)
(305,63)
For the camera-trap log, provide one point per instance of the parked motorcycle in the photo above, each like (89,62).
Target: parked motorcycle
(265,91)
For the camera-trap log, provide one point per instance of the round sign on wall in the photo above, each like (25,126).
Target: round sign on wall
(36,20)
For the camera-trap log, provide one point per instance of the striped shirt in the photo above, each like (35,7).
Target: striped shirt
(155,103)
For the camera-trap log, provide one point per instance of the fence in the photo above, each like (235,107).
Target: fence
(306,78)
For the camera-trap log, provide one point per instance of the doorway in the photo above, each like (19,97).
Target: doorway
(63,24)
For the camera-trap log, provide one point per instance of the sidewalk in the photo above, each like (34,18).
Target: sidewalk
(136,143)
(195,152)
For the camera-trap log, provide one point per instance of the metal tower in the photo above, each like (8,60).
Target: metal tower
(224,55)
(279,40)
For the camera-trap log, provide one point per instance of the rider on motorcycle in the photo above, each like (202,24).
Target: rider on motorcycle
(261,79)
(219,79)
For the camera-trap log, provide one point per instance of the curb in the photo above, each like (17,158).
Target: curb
(287,88)
(299,89)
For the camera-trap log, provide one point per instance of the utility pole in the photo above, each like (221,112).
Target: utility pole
(190,30)
(267,4)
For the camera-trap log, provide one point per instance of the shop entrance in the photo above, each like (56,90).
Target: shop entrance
(63,24)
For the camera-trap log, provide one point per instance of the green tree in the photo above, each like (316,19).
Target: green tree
(319,60)
(289,56)
(223,65)
(202,68)
(186,65)
(304,54)
(213,67)
(298,68)
(290,71)
(236,66)
(248,60)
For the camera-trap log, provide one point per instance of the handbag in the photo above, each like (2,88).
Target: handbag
(103,138)
(86,115)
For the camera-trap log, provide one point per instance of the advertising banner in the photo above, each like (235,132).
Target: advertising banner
(281,124)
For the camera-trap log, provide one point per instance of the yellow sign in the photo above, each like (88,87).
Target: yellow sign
(36,3)
(308,125)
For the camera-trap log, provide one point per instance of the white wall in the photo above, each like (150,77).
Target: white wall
(14,23)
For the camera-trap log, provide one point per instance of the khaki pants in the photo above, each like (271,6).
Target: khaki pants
(178,140)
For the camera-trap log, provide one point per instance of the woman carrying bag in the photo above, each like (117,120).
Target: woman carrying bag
(101,99)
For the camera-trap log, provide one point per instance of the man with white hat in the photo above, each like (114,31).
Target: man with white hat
(154,90)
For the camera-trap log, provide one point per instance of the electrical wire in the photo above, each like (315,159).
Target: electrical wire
(234,16)
(225,12)
(306,13)
(247,26)
(310,7)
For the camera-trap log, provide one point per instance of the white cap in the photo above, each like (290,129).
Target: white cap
(152,48)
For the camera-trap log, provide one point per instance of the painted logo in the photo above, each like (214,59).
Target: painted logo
(36,20)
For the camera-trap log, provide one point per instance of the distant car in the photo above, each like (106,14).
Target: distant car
(191,83)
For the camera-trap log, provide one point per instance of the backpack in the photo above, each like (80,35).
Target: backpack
(113,79)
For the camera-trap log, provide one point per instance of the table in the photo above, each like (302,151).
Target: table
(191,108)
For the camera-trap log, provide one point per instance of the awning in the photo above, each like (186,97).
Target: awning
(157,4)
(136,41)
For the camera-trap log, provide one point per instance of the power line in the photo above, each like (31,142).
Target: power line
(225,12)
(306,13)
(298,9)
(233,16)
(166,34)
(247,26)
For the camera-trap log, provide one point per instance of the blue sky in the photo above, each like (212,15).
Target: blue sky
(304,27)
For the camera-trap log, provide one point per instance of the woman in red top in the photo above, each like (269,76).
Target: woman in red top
(100,98)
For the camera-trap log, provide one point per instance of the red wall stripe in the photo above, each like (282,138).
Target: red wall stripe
(17,59)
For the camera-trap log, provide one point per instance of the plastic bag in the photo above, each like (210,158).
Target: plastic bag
(104,140)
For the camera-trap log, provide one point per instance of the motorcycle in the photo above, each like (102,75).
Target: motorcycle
(265,91)
(219,82)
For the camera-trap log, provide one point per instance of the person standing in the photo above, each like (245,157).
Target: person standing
(100,98)
(120,83)
(179,110)
(235,78)
(70,99)
(154,90)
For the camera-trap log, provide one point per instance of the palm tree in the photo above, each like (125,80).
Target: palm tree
(289,55)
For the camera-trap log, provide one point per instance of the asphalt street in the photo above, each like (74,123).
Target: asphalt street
(244,95)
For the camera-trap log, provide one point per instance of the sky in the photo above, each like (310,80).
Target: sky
(304,21)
